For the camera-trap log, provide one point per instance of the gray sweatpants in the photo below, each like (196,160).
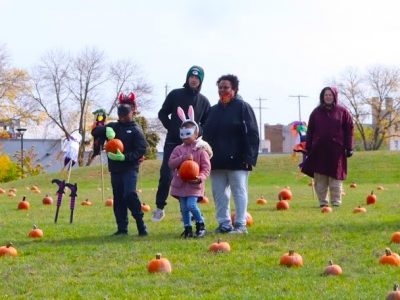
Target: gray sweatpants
(322,183)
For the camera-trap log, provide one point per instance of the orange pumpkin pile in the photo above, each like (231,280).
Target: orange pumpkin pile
(159,265)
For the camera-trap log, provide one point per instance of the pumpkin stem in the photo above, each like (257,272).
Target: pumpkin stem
(23,198)
(331,262)
(9,244)
(158,256)
(35,226)
(219,241)
(396,287)
(291,252)
(372,192)
(388,252)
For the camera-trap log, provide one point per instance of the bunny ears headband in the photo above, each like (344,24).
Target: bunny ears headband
(182,116)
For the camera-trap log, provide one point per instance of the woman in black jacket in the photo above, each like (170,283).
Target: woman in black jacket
(232,132)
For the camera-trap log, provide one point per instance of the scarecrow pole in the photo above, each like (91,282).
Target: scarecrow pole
(60,192)
(73,195)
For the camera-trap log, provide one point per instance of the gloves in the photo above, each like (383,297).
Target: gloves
(203,145)
(116,156)
(349,153)
(110,133)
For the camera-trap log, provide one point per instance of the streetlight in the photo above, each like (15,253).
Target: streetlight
(21,133)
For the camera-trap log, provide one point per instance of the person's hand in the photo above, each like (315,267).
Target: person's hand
(349,153)
(141,159)
(188,157)
(116,156)
(110,133)
(197,180)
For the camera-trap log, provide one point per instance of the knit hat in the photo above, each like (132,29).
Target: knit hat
(196,71)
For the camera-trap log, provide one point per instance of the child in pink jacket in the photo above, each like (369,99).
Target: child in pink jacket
(188,192)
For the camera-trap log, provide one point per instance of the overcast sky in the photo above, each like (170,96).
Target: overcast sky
(276,48)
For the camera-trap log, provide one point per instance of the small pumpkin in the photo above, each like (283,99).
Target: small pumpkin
(87,202)
(326,209)
(390,258)
(189,170)
(35,232)
(2,191)
(380,188)
(47,200)
(395,237)
(145,207)
(371,198)
(23,204)
(204,200)
(159,265)
(285,194)
(282,205)
(109,202)
(333,269)
(353,185)
(261,201)
(13,189)
(8,250)
(34,187)
(291,259)
(359,209)
(219,247)
(395,294)
(11,194)
(249,219)
(114,145)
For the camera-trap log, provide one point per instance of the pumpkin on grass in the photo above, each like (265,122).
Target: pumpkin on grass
(395,294)
(47,200)
(291,259)
(359,209)
(326,209)
(204,200)
(109,202)
(249,219)
(8,250)
(87,202)
(261,201)
(189,170)
(219,247)
(395,237)
(23,204)
(285,194)
(145,207)
(114,145)
(371,198)
(282,205)
(333,269)
(390,258)
(159,265)
(35,232)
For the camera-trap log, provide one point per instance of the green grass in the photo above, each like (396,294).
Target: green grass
(82,260)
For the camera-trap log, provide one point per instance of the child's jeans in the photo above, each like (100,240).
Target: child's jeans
(189,205)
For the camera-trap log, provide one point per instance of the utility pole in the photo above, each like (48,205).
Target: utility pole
(166,89)
(259,107)
(299,99)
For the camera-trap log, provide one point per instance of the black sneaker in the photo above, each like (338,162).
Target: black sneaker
(224,229)
(188,233)
(120,232)
(200,230)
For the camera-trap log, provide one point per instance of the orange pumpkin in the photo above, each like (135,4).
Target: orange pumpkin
(249,219)
(35,232)
(189,170)
(282,205)
(326,209)
(14,190)
(204,200)
(285,194)
(47,200)
(291,259)
(353,185)
(395,294)
(380,188)
(8,250)
(114,145)
(23,204)
(11,194)
(2,191)
(87,202)
(332,269)
(371,198)
(219,247)
(159,265)
(34,187)
(261,201)
(109,202)
(145,207)
(359,209)
(390,258)
(395,237)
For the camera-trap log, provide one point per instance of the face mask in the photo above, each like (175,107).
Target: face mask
(226,97)
(185,133)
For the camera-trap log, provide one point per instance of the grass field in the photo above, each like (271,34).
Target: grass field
(82,261)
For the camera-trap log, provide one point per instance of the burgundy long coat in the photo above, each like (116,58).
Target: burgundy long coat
(329,136)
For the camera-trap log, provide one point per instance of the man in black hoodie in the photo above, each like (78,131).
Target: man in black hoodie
(183,97)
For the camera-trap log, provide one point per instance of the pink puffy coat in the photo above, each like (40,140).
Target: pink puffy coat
(180,188)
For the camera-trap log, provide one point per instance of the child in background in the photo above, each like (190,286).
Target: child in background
(188,192)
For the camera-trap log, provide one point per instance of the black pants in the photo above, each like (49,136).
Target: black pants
(165,176)
(126,197)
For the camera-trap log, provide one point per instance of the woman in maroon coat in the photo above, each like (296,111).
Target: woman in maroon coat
(329,144)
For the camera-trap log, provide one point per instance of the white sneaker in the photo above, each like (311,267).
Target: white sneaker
(158,215)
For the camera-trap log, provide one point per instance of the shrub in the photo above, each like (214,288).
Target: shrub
(8,169)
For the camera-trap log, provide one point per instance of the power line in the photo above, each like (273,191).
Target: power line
(299,99)
(166,89)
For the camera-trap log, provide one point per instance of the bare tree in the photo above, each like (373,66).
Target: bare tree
(372,97)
